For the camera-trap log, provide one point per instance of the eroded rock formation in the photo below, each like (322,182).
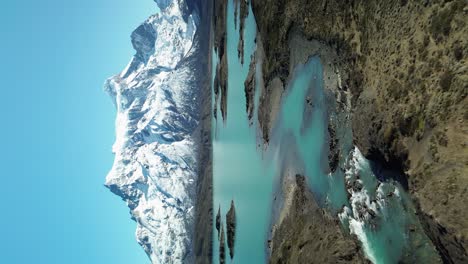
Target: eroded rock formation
(221,75)
(231,228)
(222,246)
(307,234)
(249,87)
(218,221)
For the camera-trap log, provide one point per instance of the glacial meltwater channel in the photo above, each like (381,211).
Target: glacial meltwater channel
(377,211)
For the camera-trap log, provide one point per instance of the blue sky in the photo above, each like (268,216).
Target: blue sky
(57,128)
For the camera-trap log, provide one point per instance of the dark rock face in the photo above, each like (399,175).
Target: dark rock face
(243,5)
(446,248)
(406,64)
(244,11)
(334,151)
(231,228)
(143,39)
(236,12)
(249,87)
(218,220)
(222,246)
(307,234)
(220,46)
(202,241)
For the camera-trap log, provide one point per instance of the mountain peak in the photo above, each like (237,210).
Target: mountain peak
(154,169)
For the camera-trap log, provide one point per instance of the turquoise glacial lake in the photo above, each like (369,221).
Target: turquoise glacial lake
(240,173)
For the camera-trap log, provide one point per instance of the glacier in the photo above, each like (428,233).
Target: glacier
(157,101)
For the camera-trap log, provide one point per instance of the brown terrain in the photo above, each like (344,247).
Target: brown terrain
(203,241)
(220,85)
(231,228)
(243,5)
(249,87)
(407,73)
(308,234)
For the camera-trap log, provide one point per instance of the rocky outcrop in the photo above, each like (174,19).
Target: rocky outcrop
(222,246)
(218,220)
(231,228)
(236,12)
(406,62)
(334,151)
(249,87)
(307,234)
(244,12)
(220,85)
(243,5)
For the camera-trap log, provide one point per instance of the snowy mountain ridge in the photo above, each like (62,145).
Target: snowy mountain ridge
(154,169)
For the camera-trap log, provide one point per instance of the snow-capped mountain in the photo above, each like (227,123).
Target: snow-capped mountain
(155,167)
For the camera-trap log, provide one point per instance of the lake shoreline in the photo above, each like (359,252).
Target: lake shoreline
(203,233)
(287,212)
(334,155)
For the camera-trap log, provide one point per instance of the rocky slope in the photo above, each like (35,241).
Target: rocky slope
(406,69)
(203,238)
(222,246)
(249,87)
(220,84)
(243,6)
(307,234)
(218,220)
(231,228)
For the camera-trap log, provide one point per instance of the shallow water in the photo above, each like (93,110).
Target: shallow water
(306,122)
(245,173)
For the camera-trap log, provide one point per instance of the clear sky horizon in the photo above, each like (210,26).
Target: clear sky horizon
(57,127)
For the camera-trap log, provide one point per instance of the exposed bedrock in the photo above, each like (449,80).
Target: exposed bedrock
(231,228)
(243,6)
(407,72)
(249,87)
(220,46)
(334,151)
(218,220)
(244,11)
(222,246)
(236,12)
(252,81)
(308,234)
